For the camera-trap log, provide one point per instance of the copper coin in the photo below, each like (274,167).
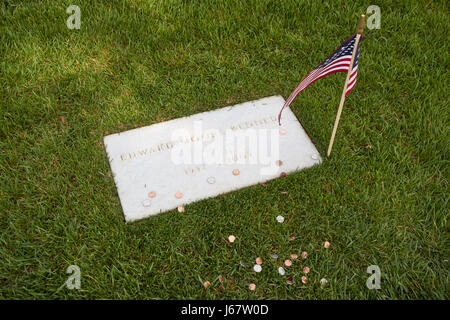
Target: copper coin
(282,131)
(258,260)
(178,195)
(283,174)
(236,172)
(152,194)
(279,163)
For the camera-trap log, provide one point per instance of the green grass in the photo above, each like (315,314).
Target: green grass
(380,199)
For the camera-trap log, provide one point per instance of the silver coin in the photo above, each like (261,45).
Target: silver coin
(211,180)
(257,268)
(146,203)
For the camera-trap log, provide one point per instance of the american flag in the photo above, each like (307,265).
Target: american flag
(338,61)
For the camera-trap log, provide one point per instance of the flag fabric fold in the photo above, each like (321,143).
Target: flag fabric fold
(338,61)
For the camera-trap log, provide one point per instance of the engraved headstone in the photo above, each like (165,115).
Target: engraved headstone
(160,167)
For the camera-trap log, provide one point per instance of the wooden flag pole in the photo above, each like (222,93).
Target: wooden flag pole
(359,31)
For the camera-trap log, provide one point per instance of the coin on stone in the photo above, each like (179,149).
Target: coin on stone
(282,131)
(178,195)
(152,194)
(146,203)
(279,163)
(236,172)
(211,180)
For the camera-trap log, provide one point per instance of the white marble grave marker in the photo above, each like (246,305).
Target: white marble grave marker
(173,163)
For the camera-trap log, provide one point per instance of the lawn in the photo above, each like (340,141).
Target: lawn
(380,199)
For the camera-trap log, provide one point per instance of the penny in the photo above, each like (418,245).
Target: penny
(152,194)
(259,260)
(178,195)
(282,131)
(180,209)
(231,238)
(287,263)
(283,174)
(236,172)
(252,286)
(279,163)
